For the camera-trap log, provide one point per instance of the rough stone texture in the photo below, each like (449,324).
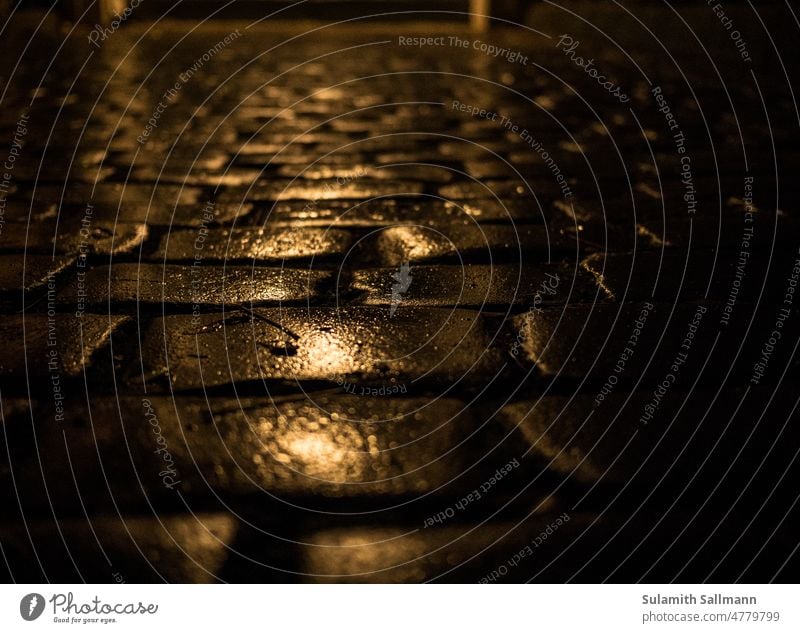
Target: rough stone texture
(34,340)
(254,245)
(355,344)
(645,343)
(420,211)
(318,190)
(99,238)
(198,285)
(613,438)
(30,272)
(444,554)
(677,276)
(478,285)
(464,242)
(348,172)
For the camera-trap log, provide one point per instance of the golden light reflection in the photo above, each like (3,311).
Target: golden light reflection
(317,450)
(317,447)
(329,352)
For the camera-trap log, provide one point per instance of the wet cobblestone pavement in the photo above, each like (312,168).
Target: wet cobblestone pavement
(310,305)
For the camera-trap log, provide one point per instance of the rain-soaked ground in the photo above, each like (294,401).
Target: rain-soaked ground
(288,302)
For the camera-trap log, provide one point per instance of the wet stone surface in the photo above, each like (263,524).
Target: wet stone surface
(464,242)
(254,245)
(478,285)
(615,438)
(426,211)
(318,190)
(73,237)
(178,548)
(253,447)
(322,324)
(30,272)
(360,344)
(680,276)
(640,344)
(44,346)
(206,285)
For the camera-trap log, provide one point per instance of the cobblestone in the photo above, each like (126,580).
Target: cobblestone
(642,343)
(675,276)
(318,190)
(600,439)
(177,285)
(284,338)
(464,242)
(254,245)
(176,549)
(355,345)
(40,345)
(99,238)
(426,212)
(478,285)
(30,272)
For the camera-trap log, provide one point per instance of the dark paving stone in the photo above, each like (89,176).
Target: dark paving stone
(157,213)
(697,275)
(477,285)
(482,149)
(100,238)
(290,165)
(606,344)
(22,211)
(430,156)
(14,409)
(730,237)
(423,212)
(423,173)
(57,173)
(30,272)
(355,345)
(166,452)
(340,445)
(177,285)
(464,553)
(34,341)
(109,549)
(463,242)
(277,190)
(541,193)
(657,207)
(203,157)
(196,177)
(602,439)
(170,205)
(259,245)
(120,194)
